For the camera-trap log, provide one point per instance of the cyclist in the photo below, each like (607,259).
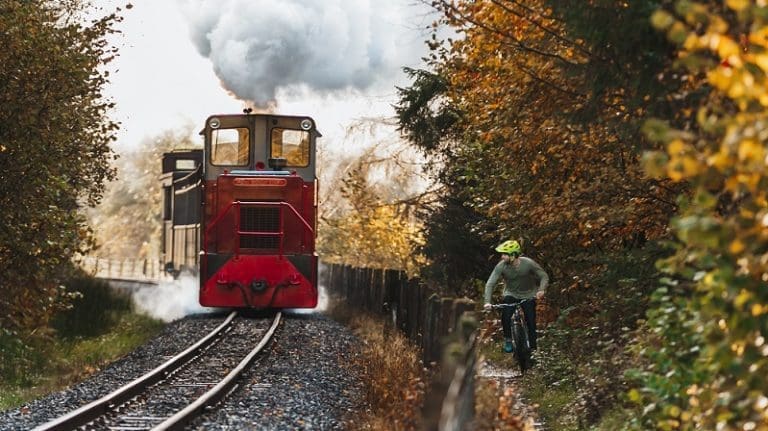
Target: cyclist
(519,274)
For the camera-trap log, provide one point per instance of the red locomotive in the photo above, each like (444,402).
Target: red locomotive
(242,212)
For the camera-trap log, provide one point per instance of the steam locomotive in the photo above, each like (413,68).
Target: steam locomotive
(242,212)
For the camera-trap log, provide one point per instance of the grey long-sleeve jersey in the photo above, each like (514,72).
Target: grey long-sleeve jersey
(519,281)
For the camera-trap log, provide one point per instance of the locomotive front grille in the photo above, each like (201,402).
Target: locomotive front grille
(259,219)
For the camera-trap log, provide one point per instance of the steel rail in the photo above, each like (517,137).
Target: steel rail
(93,410)
(215,394)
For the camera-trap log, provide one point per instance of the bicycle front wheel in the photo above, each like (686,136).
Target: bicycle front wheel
(522,350)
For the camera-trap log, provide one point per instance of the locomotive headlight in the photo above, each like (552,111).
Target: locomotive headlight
(306,124)
(214,123)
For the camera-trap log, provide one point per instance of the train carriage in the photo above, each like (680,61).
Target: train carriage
(254,228)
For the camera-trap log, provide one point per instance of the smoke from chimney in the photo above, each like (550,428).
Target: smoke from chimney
(259,47)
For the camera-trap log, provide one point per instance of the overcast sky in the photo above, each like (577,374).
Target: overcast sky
(335,60)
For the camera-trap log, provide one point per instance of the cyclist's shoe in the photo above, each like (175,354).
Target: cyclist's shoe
(508,347)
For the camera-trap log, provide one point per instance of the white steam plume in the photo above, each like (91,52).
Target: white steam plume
(174,299)
(170,299)
(258,47)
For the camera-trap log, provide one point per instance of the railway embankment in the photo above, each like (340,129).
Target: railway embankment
(303,381)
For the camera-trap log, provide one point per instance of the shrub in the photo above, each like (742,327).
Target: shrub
(17,357)
(94,310)
(392,369)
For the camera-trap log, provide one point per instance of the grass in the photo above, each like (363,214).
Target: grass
(554,401)
(565,386)
(99,329)
(390,365)
(615,419)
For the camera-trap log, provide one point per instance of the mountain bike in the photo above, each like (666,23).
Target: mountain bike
(520,341)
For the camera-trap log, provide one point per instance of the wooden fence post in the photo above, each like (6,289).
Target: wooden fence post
(431,325)
(370,297)
(450,401)
(461,306)
(458,372)
(391,294)
(413,307)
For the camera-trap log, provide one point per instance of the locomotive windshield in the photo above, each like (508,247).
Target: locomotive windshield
(293,145)
(230,147)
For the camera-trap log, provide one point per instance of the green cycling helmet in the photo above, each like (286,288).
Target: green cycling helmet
(509,247)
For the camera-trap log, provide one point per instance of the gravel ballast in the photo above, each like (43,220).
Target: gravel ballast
(303,380)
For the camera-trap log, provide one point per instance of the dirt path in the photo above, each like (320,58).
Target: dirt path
(499,387)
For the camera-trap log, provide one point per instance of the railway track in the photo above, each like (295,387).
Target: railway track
(177,391)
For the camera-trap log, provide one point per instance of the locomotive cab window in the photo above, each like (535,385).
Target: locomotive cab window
(185,165)
(292,145)
(230,147)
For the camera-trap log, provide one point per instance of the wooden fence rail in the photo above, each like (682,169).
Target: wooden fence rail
(441,327)
(126,269)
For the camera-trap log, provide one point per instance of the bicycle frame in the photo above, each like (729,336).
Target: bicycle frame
(520,337)
(518,317)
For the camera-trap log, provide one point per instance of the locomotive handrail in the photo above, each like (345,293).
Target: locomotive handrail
(281,233)
(189,179)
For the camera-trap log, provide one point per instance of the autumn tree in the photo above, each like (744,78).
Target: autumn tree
(543,150)
(55,138)
(369,202)
(534,113)
(708,369)
(136,196)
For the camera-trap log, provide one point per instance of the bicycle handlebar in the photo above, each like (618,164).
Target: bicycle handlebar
(514,304)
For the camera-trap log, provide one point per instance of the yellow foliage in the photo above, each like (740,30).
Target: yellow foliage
(721,78)
(376,237)
(662,19)
(732,184)
(737,89)
(759,36)
(683,167)
(758,309)
(737,5)
(691,41)
(751,181)
(724,244)
(676,147)
(720,160)
(761,60)
(737,246)
(726,47)
(750,150)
